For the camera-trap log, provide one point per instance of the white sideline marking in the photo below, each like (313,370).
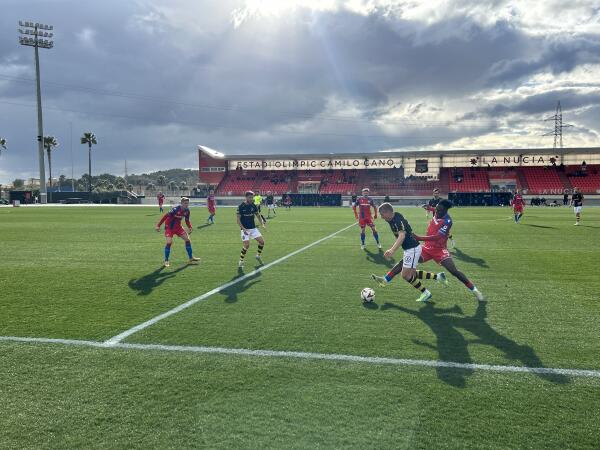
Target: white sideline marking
(119,337)
(309,355)
(52,341)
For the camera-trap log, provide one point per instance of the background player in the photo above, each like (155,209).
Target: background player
(258,200)
(435,246)
(161,199)
(412,252)
(577,202)
(172,221)
(211,204)
(270,201)
(431,204)
(518,204)
(362,211)
(287,202)
(245,219)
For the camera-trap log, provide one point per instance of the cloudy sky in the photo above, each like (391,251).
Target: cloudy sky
(153,78)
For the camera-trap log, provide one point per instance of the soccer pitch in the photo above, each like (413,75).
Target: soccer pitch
(288,356)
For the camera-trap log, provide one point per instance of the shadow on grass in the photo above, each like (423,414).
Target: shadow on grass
(378,258)
(539,226)
(452,346)
(146,284)
(370,305)
(205,225)
(462,256)
(231,293)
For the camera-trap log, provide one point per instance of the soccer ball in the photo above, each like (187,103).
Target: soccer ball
(367,295)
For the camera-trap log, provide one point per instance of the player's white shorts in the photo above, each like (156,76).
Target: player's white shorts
(577,209)
(410,259)
(272,206)
(250,234)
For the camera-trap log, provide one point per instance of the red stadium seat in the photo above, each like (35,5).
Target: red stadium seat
(471,180)
(588,184)
(542,180)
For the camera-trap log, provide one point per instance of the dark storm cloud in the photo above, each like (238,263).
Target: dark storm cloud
(553,54)
(543,103)
(179,78)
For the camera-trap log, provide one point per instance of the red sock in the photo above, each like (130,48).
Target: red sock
(469,285)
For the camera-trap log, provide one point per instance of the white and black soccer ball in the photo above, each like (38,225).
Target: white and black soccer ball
(367,295)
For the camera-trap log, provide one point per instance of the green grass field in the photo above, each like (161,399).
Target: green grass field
(88,274)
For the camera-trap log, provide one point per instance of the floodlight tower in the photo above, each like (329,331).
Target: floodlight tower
(38,35)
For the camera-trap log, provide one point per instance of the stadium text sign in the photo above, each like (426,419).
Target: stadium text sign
(516,160)
(316,164)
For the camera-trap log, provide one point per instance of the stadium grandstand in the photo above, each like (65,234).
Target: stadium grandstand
(404,173)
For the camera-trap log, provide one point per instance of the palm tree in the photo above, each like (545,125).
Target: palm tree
(130,187)
(89,138)
(50,143)
(161,181)
(182,186)
(120,185)
(150,187)
(110,187)
(61,180)
(172,186)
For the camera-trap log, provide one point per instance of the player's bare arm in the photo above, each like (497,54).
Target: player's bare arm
(262,223)
(399,240)
(433,237)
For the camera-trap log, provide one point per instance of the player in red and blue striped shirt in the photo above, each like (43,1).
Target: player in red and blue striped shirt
(362,211)
(172,221)
(211,204)
(518,205)
(161,199)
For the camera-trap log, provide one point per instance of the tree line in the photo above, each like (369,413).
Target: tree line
(174,181)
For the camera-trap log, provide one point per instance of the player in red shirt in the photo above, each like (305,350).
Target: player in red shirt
(161,199)
(430,208)
(435,246)
(211,204)
(518,205)
(172,221)
(362,211)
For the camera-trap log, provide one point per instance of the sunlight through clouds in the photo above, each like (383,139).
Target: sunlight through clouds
(299,76)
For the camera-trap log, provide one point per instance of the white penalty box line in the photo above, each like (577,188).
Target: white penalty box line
(371,360)
(124,335)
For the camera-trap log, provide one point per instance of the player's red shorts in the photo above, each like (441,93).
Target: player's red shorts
(364,222)
(437,254)
(518,208)
(212,211)
(176,231)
